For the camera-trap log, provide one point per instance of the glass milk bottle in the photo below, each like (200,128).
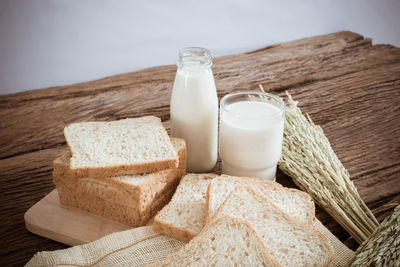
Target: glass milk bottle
(194,108)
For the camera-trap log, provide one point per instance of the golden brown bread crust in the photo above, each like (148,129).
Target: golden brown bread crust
(93,204)
(123,214)
(113,189)
(172,231)
(126,194)
(207,215)
(102,172)
(132,204)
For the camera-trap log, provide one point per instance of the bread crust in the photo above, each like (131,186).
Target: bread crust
(172,231)
(113,189)
(207,213)
(126,215)
(136,202)
(138,168)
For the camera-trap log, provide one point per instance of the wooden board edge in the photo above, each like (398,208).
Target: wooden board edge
(44,232)
(49,204)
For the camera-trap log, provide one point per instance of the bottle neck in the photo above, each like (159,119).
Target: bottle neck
(194,58)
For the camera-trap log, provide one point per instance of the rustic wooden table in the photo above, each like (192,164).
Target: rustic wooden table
(347,85)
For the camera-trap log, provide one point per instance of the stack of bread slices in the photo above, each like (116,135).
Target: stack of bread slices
(124,170)
(240,221)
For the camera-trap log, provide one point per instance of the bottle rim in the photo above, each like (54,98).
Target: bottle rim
(194,56)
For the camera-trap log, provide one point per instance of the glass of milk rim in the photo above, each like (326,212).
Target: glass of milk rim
(250,134)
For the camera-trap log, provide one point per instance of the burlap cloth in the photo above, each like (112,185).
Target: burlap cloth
(142,246)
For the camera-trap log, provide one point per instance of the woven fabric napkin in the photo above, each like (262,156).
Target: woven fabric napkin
(141,246)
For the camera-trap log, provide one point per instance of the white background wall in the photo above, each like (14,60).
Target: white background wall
(56,42)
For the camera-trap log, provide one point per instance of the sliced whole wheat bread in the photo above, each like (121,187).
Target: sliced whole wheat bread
(226,242)
(127,190)
(296,203)
(223,185)
(130,199)
(127,215)
(129,146)
(290,241)
(183,217)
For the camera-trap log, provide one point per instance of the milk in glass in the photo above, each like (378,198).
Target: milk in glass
(251,131)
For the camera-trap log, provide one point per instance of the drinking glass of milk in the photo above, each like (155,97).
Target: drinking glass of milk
(194,108)
(251,132)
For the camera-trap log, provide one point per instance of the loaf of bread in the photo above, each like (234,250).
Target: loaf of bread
(296,203)
(183,217)
(226,242)
(290,241)
(129,199)
(129,146)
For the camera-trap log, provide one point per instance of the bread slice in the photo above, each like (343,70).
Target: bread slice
(128,190)
(183,217)
(226,242)
(290,241)
(296,203)
(129,146)
(223,185)
(131,199)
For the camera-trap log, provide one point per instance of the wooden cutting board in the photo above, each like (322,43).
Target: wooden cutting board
(67,225)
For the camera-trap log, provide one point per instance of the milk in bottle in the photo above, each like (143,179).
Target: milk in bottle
(194,108)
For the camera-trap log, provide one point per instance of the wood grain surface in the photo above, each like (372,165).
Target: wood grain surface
(68,225)
(347,85)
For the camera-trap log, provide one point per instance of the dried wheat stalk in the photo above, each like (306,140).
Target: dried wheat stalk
(383,246)
(309,159)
